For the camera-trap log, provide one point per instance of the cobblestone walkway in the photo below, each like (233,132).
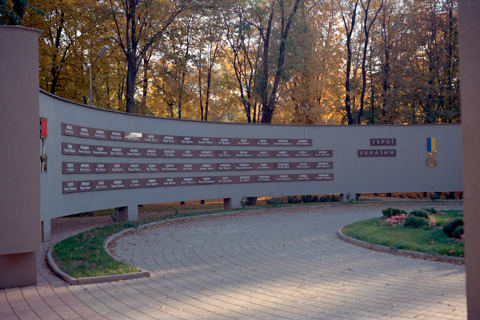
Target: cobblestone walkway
(269,265)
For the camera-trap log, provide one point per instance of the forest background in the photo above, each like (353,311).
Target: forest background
(270,61)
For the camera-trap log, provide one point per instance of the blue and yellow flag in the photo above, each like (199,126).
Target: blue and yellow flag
(431,145)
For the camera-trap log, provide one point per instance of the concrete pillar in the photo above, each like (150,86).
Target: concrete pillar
(46,229)
(20,217)
(232,203)
(469,38)
(128,213)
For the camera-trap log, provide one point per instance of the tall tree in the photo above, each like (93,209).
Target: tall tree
(131,18)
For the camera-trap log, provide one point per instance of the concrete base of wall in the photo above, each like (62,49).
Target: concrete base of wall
(129,213)
(18,270)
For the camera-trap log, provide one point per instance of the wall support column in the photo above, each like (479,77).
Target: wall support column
(469,38)
(20,227)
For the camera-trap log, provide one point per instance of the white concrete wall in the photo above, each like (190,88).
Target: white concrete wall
(405,171)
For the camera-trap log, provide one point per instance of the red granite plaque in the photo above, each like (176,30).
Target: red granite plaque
(264,166)
(323,165)
(69,148)
(206,180)
(226,141)
(84,168)
(99,134)
(189,153)
(244,142)
(135,183)
(69,167)
(246,179)
(151,153)
(151,167)
(170,182)
(133,136)
(243,154)
(224,154)
(170,167)
(117,152)
(168,139)
(244,166)
(263,142)
(303,154)
(224,166)
(205,141)
(263,154)
(83,132)
(303,177)
(134,152)
(100,151)
(282,166)
(264,178)
(282,142)
(187,140)
(134,168)
(302,165)
(169,153)
(323,176)
(115,135)
(383,142)
(303,142)
(282,178)
(69,186)
(323,153)
(84,150)
(85,186)
(153,183)
(117,184)
(152,138)
(188,167)
(117,167)
(206,154)
(282,154)
(377,153)
(190,181)
(226,179)
(203,167)
(100,167)
(67,129)
(100,185)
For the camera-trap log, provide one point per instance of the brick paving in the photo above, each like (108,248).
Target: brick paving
(279,264)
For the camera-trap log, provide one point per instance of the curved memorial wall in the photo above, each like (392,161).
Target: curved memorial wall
(99,159)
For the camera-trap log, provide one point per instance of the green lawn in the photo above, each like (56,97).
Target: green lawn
(430,240)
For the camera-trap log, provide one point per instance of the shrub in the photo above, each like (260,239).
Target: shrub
(329,198)
(449,227)
(390,212)
(275,201)
(307,199)
(292,200)
(458,232)
(412,221)
(315,199)
(430,210)
(420,213)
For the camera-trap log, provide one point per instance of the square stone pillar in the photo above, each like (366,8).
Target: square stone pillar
(469,38)
(20,217)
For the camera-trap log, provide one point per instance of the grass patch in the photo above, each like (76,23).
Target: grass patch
(431,240)
(83,255)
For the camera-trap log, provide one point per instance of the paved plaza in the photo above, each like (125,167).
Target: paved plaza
(276,264)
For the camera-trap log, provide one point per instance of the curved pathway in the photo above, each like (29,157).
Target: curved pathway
(278,264)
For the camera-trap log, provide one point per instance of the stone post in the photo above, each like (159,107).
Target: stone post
(20,219)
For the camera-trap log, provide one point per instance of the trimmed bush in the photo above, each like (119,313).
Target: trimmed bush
(449,227)
(293,200)
(457,233)
(390,212)
(412,221)
(430,210)
(275,201)
(307,199)
(329,198)
(420,213)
